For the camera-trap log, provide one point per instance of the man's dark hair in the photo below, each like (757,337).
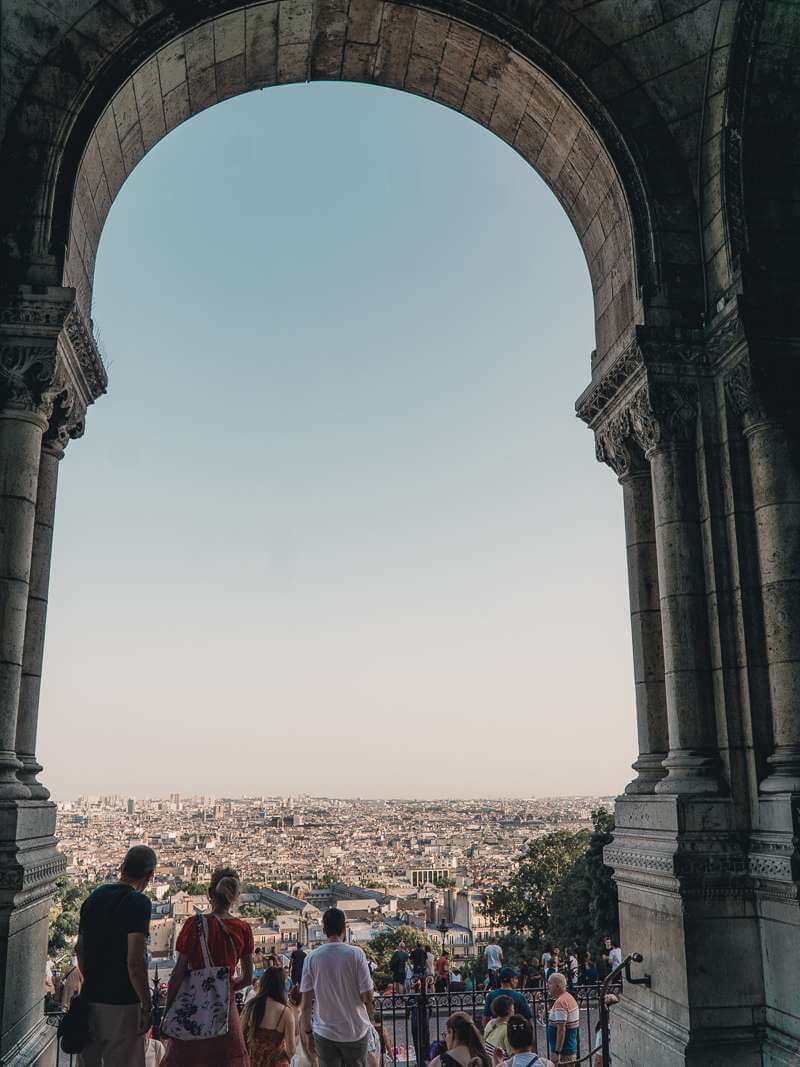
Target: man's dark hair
(334,922)
(502,1006)
(140,861)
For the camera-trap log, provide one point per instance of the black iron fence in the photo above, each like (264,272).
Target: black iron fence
(411,1024)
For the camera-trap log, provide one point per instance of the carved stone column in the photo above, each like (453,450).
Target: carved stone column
(664,419)
(87,380)
(775,479)
(28,384)
(616,447)
(49,372)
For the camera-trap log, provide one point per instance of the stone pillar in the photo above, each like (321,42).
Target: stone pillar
(20,447)
(33,651)
(775,479)
(621,453)
(49,372)
(664,418)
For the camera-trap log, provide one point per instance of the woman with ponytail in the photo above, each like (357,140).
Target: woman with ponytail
(230,944)
(269,1023)
(464,1044)
(519,1035)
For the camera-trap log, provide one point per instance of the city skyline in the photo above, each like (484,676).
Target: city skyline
(335,518)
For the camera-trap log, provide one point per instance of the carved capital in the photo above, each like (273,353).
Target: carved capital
(87,364)
(744,396)
(664,415)
(616,446)
(30,322)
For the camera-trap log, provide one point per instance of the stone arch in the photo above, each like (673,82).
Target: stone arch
(387,44)
(521,86)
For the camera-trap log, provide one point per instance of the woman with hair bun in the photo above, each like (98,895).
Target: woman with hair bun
(464,1044)
(230,942)
(519,1035)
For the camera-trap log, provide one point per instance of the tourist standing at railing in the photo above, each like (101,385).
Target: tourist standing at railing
(521,1005)
(495,1032)
(112,957)
(590,976)
(397,965)
(230,944)
(520,1040)
(419,958)
(430,964)
(443,972)
(464,1044)
(613,953)
(562,1022)
(337,998)
(493,955)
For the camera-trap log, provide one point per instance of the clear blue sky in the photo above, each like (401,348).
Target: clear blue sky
(335,527)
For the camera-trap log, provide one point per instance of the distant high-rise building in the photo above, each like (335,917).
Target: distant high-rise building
(175,799)
(131,805)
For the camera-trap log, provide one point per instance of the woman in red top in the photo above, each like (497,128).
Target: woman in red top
(229,941)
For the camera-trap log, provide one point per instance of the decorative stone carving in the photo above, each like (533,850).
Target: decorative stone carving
(744,397)
(88,358)
(28,377)
(664,414)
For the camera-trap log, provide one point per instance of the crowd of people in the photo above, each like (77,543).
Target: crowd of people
(312,1010)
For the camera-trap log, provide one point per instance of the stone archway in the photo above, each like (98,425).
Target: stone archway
(634,114)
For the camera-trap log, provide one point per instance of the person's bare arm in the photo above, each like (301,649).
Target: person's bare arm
(137,973)
(561,1036)
(246,977)
(369,1002)
(289,1035)
(306,1034)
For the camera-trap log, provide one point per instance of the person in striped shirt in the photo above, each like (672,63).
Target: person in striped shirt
(562,1022)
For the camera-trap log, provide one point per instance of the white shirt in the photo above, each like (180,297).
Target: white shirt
(494,956)
(615,957)
(338,975)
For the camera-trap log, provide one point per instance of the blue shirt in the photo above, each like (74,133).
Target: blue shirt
(521,1005)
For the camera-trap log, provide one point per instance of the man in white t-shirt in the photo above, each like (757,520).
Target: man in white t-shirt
(337,999)
(613,954)
(493,955)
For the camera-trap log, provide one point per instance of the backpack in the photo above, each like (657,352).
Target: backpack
(73,1029)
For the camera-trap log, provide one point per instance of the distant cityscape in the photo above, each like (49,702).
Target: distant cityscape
(427,864)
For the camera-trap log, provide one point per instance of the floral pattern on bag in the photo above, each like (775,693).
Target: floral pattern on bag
(201,1006)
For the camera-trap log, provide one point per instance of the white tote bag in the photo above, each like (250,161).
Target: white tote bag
(201,1006)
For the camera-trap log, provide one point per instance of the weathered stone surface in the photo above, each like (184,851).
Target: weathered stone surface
(669,133)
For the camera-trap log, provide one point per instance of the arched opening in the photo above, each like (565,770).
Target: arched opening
(421,470)
(631,121)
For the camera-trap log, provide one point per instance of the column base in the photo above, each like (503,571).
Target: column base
(691,772)
(10,786)
(686,898)
(27,776)
(29,865)
(785,774)
(649,769)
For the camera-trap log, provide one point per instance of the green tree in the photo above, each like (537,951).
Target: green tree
(524,904)
(381,947)
(197,889)
(65,910)
(263,912)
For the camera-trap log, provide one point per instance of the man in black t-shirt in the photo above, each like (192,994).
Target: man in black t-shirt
(297,959)
(114,925)
(419,960)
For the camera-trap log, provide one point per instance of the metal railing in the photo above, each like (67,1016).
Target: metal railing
(410,1024)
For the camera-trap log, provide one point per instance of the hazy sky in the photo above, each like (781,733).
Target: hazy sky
(335,528)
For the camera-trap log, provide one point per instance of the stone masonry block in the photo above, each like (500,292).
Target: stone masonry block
(261,43)
(364,21)
(394,45)
(228,36)
(150,103)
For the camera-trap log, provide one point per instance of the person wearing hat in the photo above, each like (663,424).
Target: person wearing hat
(521,1005)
